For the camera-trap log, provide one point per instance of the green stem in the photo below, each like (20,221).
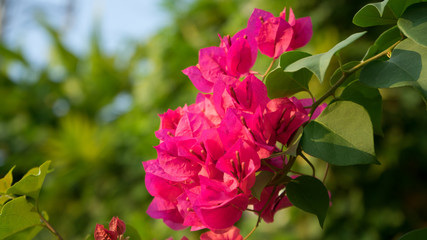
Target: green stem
(346,74)
(48,226)
(309,163)
(268,69)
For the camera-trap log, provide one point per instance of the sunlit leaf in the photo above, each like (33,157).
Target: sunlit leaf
(406,67)
(17,215)
(413,23)
(369,98)
(319,63)
(309,194)
(31,183)
(341,135)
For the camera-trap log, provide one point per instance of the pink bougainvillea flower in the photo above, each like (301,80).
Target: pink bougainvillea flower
(103,234)
(302,28)
(212,63)
(241,53)
(272,34)
(117,225)
(166,210)
(232,233)
(218,205)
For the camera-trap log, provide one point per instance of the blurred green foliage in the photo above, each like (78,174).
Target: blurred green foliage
(94,115)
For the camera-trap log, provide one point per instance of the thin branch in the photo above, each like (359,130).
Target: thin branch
(268,69)
(326,172)
(309,163)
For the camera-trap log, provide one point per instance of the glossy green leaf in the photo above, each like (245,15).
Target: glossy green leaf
(384,41)
(399,6)
(262,179)
(374,14)
(319,63)
(341,135)
(17,215)
(413,23)
(309,194)
(415,235)
(406,67)
(369,98)
(31,183)
(285,84)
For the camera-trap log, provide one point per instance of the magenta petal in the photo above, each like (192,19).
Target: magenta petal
(224,215)
(291,19)
(230,234)
(212,62)
(239,58)
(303,31)
(256,20)
(162,209)
(274,37)
(196,77)
(163,188)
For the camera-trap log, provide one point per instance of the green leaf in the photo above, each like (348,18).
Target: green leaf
(262,179)
(27,234)
(17,215)
(320,62)
(406,67)
(399,6)
(6,181)
(384,41)
(31,183)
(309,194)
(413,23)
(369,98)
(341,135)
(5,184)
(281,84)
(374,14)
(415,235)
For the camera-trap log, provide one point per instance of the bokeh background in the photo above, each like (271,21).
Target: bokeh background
(82,82)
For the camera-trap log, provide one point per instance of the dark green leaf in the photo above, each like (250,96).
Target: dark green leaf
(31,183)
(341,135)
(399,6)
(281,84)
(262,179)
(369,98)
(413,23)
(17,215)
(374,14)
(415,235)
(320,62)
(406,67)
(309,194)
(384,41)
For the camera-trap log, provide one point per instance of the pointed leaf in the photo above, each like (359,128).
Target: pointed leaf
(31,183)
(369,98)
(309,194)
(320,62)
(341,135)
(406,67)
(374,14)
(17,215)
(413,23)
(6,181)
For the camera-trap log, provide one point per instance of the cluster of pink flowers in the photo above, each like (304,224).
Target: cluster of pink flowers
(211,151)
